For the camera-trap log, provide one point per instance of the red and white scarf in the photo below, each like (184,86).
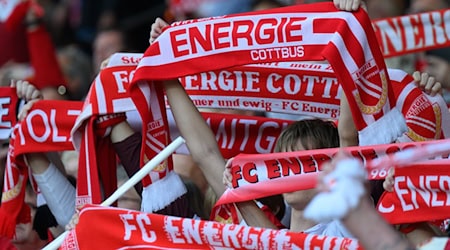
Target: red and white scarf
(114,228)
(413,33)
(295,33)
(421,193)
(8,110)
(313,90)
(12,12)
(261,175)
(40,131)
(108,95)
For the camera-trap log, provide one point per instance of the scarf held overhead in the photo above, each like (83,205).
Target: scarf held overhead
(109,95)
(421,193)
(261,175)
(8,107)
(295,33)
(313,90)
(40,131)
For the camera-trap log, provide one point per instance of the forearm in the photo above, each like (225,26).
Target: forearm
(372,231)
(199,138)
(348,134)
(254,216)
(38,162)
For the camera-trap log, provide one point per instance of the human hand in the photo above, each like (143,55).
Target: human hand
(27,91)
(157,28)
(427,83)
(347,5)
(341,186)
(73,222)
(388,183)
(227,177)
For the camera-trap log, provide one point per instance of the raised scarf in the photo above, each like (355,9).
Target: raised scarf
(97,167)
(295,33)
(114,228)
(8,106)
(261,175)
(39,128)
(421,193)
(313,90)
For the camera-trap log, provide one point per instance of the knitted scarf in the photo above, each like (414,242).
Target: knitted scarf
(421,193)
(114,228)
(97,167)
(261,175)
(295,33)
(8,105)
(312,90)
(39,128)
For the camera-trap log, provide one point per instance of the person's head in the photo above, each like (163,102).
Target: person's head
(306,135)
(106,43)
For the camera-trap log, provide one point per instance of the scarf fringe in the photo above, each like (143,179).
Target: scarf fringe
(162,192)
(385,130)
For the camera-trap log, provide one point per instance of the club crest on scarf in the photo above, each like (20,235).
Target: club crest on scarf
(371,97)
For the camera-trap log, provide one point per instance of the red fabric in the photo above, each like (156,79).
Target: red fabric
(262,175)
(39,132)
(8,106)
(272,217)
(413,33)
(47,72)
(5,243)
(16,42)
(421,193)
(14,12)
(114,228)
(13,207)
(107,95)
(196,46)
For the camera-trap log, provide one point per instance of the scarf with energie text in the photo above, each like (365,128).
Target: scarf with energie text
(114,228)
(312,90)
(260,175)
(296,33)
(421,193)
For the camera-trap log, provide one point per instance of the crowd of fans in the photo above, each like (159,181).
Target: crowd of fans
(58,49)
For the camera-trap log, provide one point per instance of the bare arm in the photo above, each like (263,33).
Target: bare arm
(379,235)
(348,135)
(199,138)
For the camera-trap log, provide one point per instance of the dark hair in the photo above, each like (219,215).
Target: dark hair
(311,134)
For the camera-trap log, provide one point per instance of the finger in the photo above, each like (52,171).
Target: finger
(348,5)
(416,76)
(355,5)
(13,83)
(336,3)
(429,85)
(25,110)
(29,92)
(19,89)
(36,94)
(436,89)
(423,80)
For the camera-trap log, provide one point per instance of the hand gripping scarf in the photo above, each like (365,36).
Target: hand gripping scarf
(109,95)
(40,131)
(295,33)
